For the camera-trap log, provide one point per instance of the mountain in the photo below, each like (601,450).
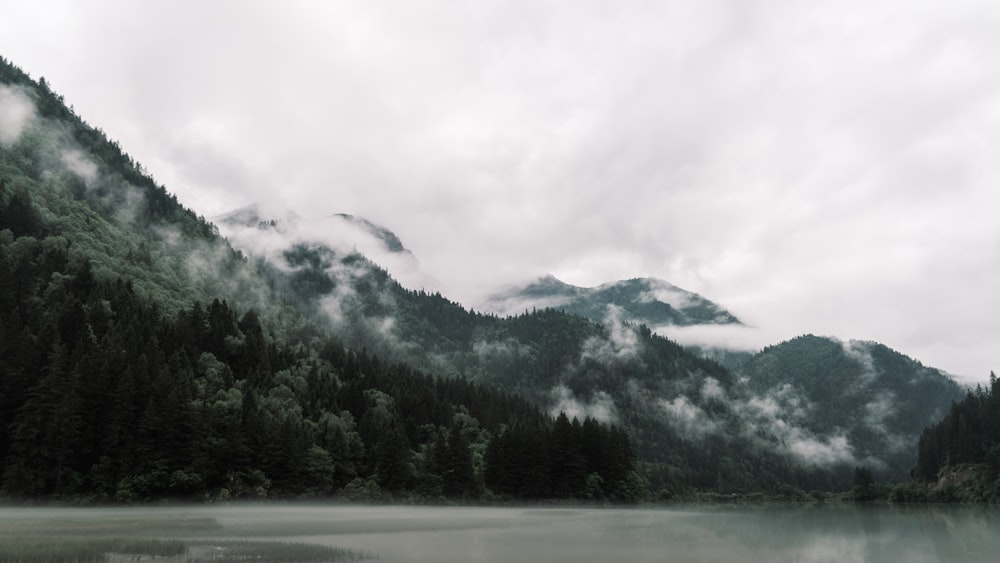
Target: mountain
(144,356)
(365,236)
(874,398)
(699,425)
(647,301)
(387,237)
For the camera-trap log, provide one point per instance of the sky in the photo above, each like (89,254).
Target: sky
(814,167)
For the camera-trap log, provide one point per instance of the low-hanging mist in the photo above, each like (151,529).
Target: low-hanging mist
(611,371)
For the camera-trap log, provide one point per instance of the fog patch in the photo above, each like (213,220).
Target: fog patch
(688,418)
(339,248)
(781,414)
(730,337)
(509,347)
(127,210)
(776,421)
(876,413)
(711,389)
(270,232)
(170,235)
(826,451)
(546,292)
(59,151)
(78,163)
(16,112)
(878,410)
(860,352)
(664,292)
(600,407)
(620,341)
(765,415)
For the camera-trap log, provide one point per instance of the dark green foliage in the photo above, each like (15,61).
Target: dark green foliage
(880,399)
(544,353)
(202,404)
(142,357)
(587,460)
(126,374)
(968,434)
(864,484)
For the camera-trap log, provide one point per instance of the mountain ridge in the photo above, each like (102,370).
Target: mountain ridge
(270,378)
(650,301)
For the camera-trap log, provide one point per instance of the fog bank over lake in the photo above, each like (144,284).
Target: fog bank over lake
(443,534)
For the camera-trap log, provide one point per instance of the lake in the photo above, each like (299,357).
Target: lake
(580,535)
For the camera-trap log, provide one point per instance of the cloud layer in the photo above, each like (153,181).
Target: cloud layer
(813,168)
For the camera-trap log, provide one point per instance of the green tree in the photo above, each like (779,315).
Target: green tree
(457,473)
(864,484)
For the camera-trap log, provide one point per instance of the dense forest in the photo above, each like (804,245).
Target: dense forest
(127,375)
(106,397)
(960,455)
(143,357)
(697,425)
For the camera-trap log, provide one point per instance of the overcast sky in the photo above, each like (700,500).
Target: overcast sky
(821,167)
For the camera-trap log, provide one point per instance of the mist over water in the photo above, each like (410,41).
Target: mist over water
(579,535)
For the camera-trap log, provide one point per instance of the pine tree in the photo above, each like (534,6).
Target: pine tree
(46,431)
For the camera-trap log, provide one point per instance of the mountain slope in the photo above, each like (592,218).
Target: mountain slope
(646,301)
(142,357)
(877,399)
(195,345)
(692,418)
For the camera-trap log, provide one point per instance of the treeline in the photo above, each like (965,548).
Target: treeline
(964,444)
(104,397)
(583,460)
(537,351)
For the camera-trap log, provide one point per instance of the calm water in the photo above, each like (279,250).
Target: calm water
(702,534)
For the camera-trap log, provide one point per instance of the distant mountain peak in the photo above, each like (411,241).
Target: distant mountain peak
(649,301)
(389,238)
(252,216)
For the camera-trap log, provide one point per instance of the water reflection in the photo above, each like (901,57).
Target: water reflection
(807,534)
(681,534)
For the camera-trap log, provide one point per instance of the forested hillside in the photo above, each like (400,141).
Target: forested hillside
(877,399)
(959,457)
(143,358)
(695,424)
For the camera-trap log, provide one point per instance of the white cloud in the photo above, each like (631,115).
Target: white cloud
(80,164)
(711,389)
(503,348)
(343,236)
(666,293)
(619,341)
(782,415)
(600,407)
(688,418)
(860,352)
(814,169)
(16,113)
